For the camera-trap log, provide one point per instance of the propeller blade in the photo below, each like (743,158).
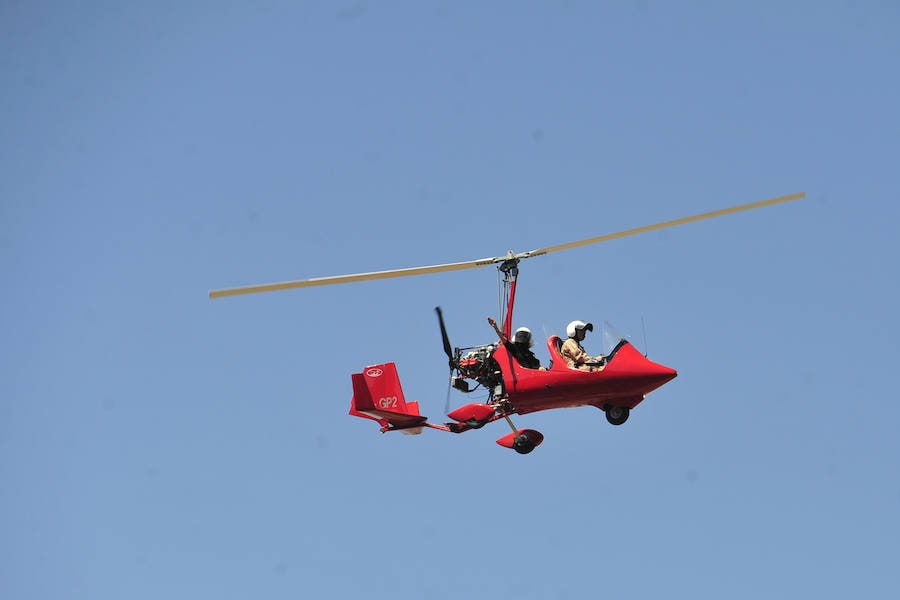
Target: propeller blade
(448,349)
(303,283)
(707,215)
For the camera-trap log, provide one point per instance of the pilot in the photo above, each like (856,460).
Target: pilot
(575,354)
(519,346)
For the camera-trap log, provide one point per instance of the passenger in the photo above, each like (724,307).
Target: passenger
(575,354)
(519,346)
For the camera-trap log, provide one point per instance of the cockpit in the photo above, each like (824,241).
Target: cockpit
(610,342)
(479,364)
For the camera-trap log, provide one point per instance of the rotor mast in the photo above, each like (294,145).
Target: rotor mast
(510,270)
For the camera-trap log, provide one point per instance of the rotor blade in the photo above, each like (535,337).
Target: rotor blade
(483,262)
(446,339)
(663,225)
(302,283)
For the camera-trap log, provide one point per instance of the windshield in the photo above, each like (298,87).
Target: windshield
(610,337)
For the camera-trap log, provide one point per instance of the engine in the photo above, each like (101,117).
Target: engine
(476,363)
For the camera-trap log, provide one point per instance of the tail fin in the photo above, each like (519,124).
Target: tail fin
(377,395)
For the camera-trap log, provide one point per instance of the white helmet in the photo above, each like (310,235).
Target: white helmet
(523,336)
(572,327)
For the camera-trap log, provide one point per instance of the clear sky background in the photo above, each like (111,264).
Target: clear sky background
(158,444)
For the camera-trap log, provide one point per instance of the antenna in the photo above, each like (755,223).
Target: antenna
(644,328)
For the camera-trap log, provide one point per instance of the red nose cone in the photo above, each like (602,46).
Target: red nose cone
(636,372)
(654,375)
(664,372)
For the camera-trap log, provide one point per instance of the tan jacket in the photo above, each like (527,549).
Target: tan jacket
(574,354)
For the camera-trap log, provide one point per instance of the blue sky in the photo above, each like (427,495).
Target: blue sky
(155,443)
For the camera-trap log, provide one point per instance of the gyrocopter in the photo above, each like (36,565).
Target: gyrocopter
(621,383)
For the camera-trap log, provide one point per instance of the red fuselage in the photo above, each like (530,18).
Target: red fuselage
(626,379)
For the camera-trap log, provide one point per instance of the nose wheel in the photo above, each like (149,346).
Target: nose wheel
(617,415)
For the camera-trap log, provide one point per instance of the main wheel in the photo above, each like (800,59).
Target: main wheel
(523,445)
(617,414)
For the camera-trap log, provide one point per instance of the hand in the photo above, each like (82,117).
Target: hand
(492,322)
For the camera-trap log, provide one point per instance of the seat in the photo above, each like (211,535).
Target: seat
(554,344)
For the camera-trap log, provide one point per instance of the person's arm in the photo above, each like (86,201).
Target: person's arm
(500,334)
